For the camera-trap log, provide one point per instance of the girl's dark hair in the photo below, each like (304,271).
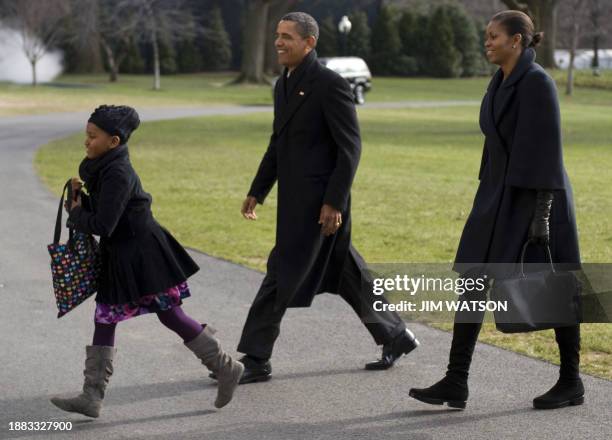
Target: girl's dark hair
(517,22)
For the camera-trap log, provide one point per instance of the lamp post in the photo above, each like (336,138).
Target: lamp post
(344,27)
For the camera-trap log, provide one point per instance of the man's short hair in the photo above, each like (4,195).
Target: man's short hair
(306,25)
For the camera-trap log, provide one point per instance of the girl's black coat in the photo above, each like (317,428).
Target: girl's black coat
(522,153)
(139,257)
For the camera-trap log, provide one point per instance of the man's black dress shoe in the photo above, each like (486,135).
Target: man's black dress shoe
(255,370)
(404,343)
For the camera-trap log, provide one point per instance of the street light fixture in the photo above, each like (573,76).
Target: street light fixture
(344,27)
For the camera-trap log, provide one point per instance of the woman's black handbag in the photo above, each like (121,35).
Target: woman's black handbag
(75,265)
(537,300)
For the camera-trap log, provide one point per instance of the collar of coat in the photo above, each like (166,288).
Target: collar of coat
(298,90)
(298,72)
(491,117)
(90,169)
(523,64)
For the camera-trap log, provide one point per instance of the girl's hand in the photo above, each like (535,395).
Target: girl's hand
(77,184)
(70,205)
(76,202)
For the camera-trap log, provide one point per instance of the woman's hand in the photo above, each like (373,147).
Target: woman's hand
(539,230)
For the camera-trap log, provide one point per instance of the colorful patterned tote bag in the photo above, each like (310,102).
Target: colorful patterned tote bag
(75,265)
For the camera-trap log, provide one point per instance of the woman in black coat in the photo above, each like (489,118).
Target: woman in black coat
(524,194)
(143,268)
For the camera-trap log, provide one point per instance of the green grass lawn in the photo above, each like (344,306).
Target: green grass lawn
(85,92)
(412,193)
(214,89)
(585,78)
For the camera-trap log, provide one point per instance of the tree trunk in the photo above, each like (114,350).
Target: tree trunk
(114,74)
(569,88)
(575,35)
(89,56)
(595,62)
(112,63)
(254,37)
(152,30)
(34,80)
(546,21)
(156,74)
(597,31)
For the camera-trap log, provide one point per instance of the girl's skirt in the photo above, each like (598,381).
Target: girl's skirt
(158,302)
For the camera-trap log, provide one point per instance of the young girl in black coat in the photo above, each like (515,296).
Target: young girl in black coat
(144,269)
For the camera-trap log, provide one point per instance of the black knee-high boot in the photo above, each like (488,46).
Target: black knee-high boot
(453,388)
(568,340)
(569,389)
(465,336)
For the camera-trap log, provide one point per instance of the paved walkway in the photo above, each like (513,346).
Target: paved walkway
(160,391)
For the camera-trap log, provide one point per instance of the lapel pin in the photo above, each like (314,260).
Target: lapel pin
(301,93)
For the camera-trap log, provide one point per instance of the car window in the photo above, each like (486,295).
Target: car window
(345,66)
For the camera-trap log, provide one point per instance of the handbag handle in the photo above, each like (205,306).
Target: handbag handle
(58,221)
(552,266)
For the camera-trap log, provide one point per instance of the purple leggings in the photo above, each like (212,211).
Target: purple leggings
(175,319)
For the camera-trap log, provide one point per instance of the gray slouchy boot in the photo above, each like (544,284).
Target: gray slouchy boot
(98,370)
(229,371)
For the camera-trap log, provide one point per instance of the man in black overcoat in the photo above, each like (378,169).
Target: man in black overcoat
(313,155)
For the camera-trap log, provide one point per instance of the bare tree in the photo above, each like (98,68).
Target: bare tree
(119,24)
(580,21)
(576,17)
(544,15)
(39,26)
(600,12)
(158,21)
(117,29)
(596,30)
(110,24)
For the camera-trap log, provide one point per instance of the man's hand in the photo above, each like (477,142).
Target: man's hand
(330,220)
(248,208)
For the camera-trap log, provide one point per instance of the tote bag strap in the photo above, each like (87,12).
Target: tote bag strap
(547,247)
(58,221)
